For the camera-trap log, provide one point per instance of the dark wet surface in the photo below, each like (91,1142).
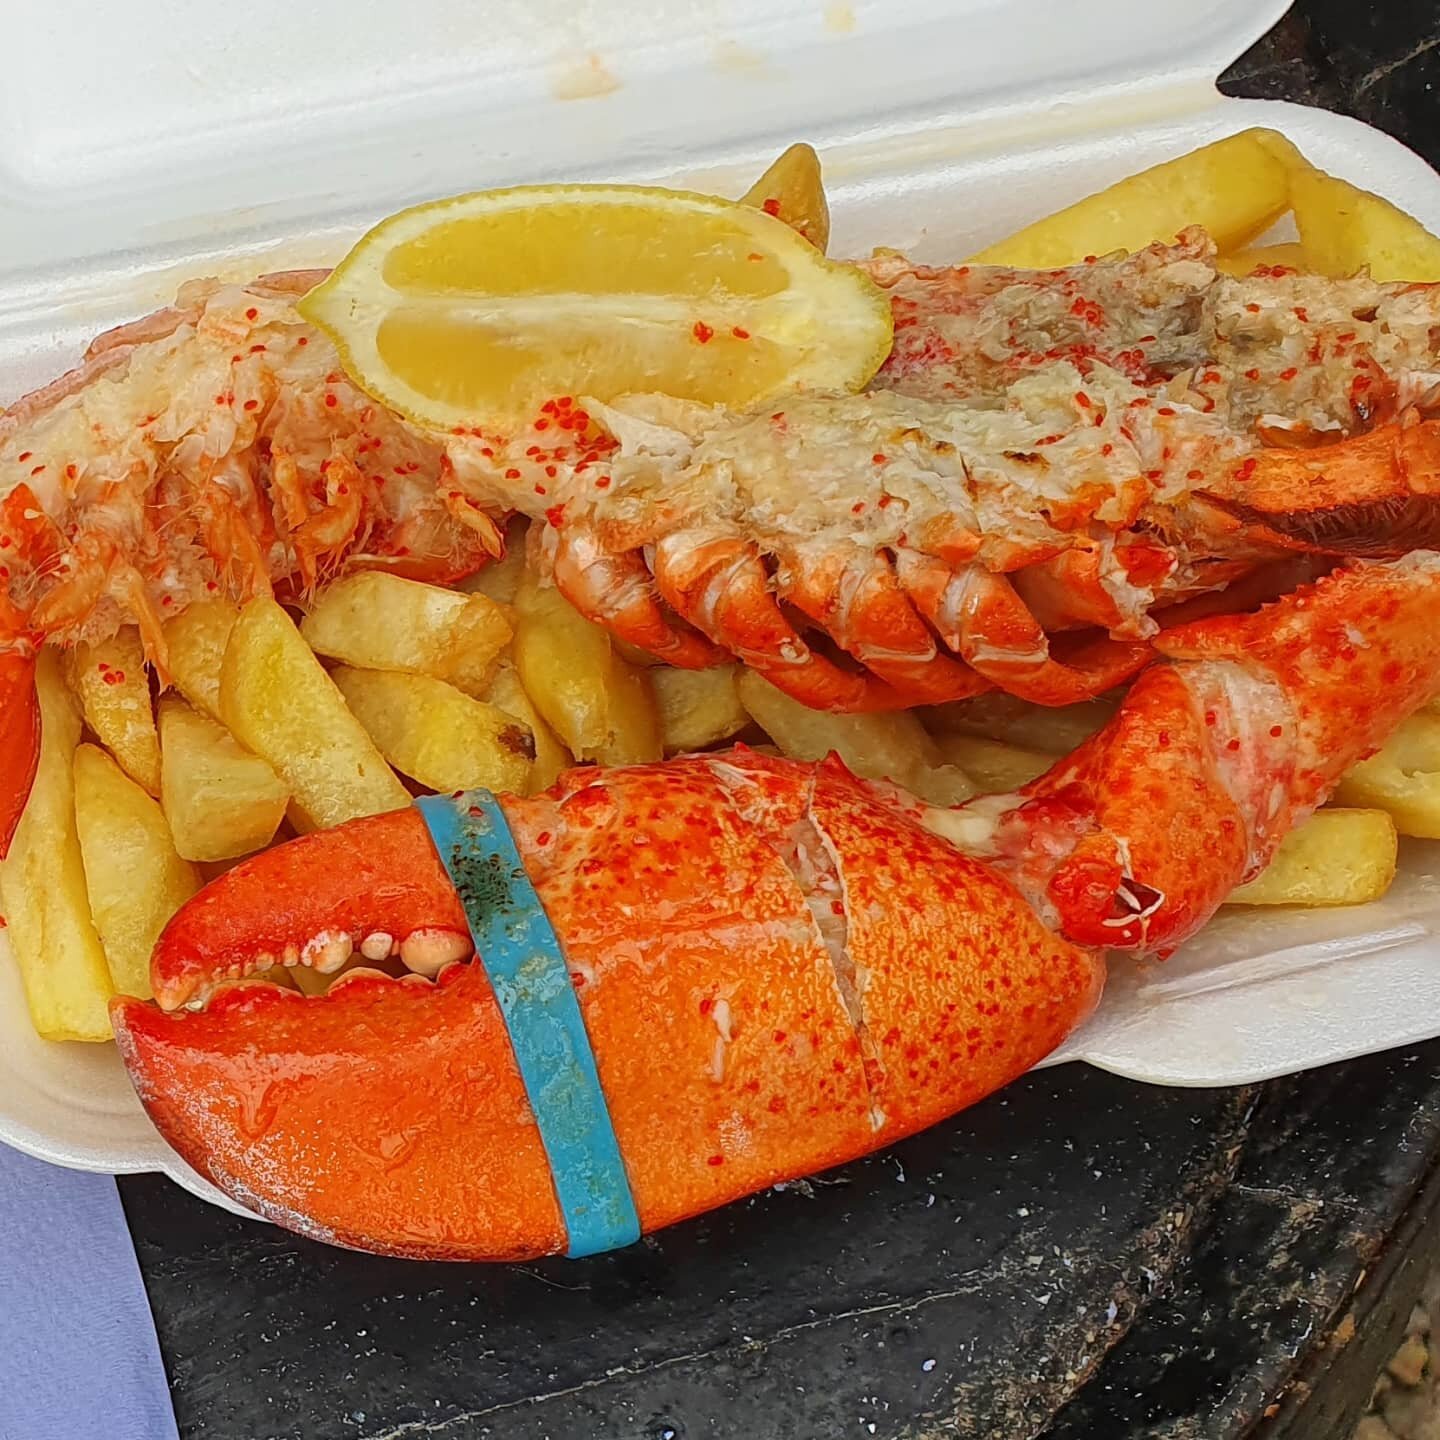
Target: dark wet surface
(969,1282)
(980,1269)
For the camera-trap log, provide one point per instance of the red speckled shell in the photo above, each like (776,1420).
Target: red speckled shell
(966,989)
(380,873)
(19,740)
(671,907)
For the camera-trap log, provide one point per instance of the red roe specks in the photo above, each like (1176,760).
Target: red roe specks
(561,440)
(709,1113)
(964,982)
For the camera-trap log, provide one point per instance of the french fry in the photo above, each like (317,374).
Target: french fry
(114,689)
(195,640)
(792,190)
(277,700)
(1243,262)
(220,801)
(551,757)
(1338,857)
(42,884)
(997,716)
(601,706)
(889,745)
(500,579)
(1402,777)
(378,621)
(1236,188)
(135,879)
(437,734)
(995,766)
(698,707)
(1343,229)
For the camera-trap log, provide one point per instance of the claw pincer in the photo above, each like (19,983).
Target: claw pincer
(772,968)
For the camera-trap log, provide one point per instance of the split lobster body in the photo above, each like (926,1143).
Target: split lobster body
(1051,467)
(739,1039)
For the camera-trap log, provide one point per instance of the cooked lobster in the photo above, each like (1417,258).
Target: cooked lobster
(1051,451)
(1044,451)
(769,967)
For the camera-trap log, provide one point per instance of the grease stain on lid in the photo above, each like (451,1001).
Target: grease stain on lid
(739,59)
(586,79)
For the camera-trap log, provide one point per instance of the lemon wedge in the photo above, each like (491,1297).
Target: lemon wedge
(478,309)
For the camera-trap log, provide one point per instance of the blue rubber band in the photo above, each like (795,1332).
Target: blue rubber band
(520,951)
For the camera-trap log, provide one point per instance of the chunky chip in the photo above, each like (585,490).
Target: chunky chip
(1338,857)
(379,621)
(889,745)
(1236,188)
(42,884)
(1344,229)
(113,684)
(698,708)
(277,700)
(195,642)
(135,878)
(551,757)
(599,704)
(220,800)
(437,734)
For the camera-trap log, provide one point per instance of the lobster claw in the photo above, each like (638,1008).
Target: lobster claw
(777,969)
(19,740)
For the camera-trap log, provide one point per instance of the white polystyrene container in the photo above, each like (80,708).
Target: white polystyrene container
(142,144)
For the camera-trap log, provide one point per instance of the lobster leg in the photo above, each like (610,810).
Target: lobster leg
(616,590)
(717,582)
(1376,494)
(777,971)
(853,595)
(978,614)
(1068,591)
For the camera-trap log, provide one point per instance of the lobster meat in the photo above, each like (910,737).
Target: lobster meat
(1044,451)
(214,446)
(1049,466)
(779,967)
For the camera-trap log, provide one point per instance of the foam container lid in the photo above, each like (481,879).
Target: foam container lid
(144,144)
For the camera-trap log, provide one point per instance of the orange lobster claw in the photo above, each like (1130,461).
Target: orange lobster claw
(777,968)
(19,740)
(1135,839)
